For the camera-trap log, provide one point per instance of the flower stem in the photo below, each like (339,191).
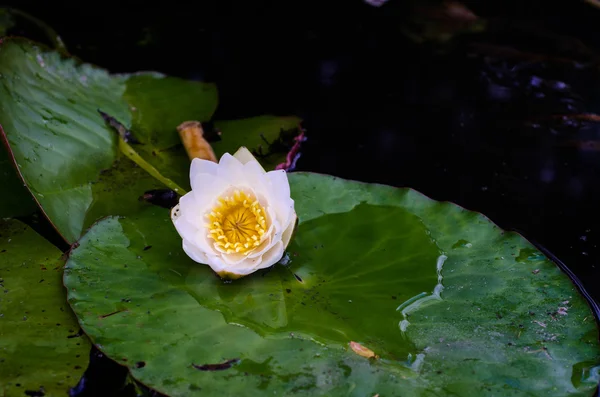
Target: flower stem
(128,151)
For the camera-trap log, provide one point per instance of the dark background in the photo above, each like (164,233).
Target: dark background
(500,121)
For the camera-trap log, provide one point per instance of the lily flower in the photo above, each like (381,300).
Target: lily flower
(237,218)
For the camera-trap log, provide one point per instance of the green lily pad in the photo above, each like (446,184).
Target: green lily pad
(41,348)
(48,113)
(159,104)
(66,153)
(154,97)
(449,303)
(68,157)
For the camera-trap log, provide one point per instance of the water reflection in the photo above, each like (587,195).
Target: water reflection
(422,300)
(355,267)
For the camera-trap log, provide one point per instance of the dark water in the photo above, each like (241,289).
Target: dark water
(495,121)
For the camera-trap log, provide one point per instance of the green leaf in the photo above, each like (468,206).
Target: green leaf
(451,304)
(153,98)
(67,155)
(48,113)
(41,348)
(268,137)
(159,104)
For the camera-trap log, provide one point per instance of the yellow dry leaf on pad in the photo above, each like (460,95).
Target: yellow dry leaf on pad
(362,351)
(192,137)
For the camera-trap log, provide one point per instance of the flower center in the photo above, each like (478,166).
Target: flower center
(237,223)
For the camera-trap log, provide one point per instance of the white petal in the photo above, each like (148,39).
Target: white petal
(279,182)
(249,265)
(217,265)
(255,178)
(202,173)
(262,248)
(245,157)
(193,252)
(190,210)
(250,175)
(272,256)
(200,166)
(230,168)
(260,186)
(184,231)
(285,211)
(281,209)
(287,234)
(254,168)
(280,196)
(233,259)
(195,234)
(273,234)
(275,226)
(263,201)
(206,188)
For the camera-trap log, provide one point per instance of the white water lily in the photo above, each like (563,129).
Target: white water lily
(237,218)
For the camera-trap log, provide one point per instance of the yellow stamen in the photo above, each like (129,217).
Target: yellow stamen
(236,223)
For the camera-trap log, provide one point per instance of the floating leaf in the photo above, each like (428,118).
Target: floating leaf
(158,105)
(154,97)
(446,299)
(65,151)
(41,346)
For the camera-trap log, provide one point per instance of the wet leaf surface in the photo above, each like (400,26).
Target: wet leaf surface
(42,349)
(446,299)
(153,99)
(59,141)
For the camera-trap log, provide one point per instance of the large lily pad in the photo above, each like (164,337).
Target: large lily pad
(450,303)
(42,351)
(68,157)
